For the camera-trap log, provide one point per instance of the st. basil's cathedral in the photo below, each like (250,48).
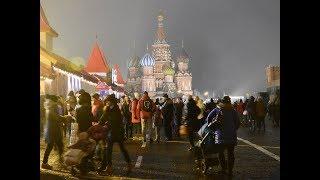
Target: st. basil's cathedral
(157,73)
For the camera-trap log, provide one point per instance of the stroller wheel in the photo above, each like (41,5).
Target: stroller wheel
(204,167)
(73,172)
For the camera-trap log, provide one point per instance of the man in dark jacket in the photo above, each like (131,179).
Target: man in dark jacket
(167,110)
(192,121)
(84,116)
(230,124)
(112,117)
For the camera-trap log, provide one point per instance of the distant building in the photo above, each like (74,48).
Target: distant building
(157,72)
(273,79)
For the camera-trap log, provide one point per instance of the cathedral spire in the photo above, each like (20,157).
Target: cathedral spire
(182,43)
(160,34)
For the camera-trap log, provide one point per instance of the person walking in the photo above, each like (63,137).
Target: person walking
(192,121)
(240,108)
(112,117)
(178,106)
(146,108)
(229,125)
(135,114)
(42,114)
(125,110)
(158,121)
(168,112)
(251,109)
(260,114)
(53,130)
(201,105)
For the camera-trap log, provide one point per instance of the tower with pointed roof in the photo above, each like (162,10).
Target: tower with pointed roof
(47,33)
(117,77)
(183,77)
(161,53)
(97,63)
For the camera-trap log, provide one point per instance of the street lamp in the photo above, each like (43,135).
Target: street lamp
(206,93)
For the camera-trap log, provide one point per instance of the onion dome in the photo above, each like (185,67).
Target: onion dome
(168,70)
(183,56)
(147,60)
(134,62)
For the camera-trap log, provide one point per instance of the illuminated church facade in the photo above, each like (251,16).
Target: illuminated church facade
(157,72)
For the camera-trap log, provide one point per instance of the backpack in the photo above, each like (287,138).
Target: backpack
(147,105)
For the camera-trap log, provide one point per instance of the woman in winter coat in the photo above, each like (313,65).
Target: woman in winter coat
(112,117)
(53,130)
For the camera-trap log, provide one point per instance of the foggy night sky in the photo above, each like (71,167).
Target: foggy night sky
(230,41)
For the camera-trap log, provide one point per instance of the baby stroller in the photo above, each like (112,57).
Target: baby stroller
(208,147)
(79,155)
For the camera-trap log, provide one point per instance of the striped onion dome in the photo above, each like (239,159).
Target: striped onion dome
(134,62)
(147,60)
(168,70)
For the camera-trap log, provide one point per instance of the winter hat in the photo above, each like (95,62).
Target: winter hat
(226,99)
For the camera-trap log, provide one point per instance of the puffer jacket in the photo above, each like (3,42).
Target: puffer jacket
(145,114)
(135,113)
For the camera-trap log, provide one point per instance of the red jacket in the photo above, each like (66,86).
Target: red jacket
(145,114)
(135,113)
(240,108)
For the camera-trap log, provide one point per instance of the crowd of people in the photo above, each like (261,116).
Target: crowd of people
(113,120)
